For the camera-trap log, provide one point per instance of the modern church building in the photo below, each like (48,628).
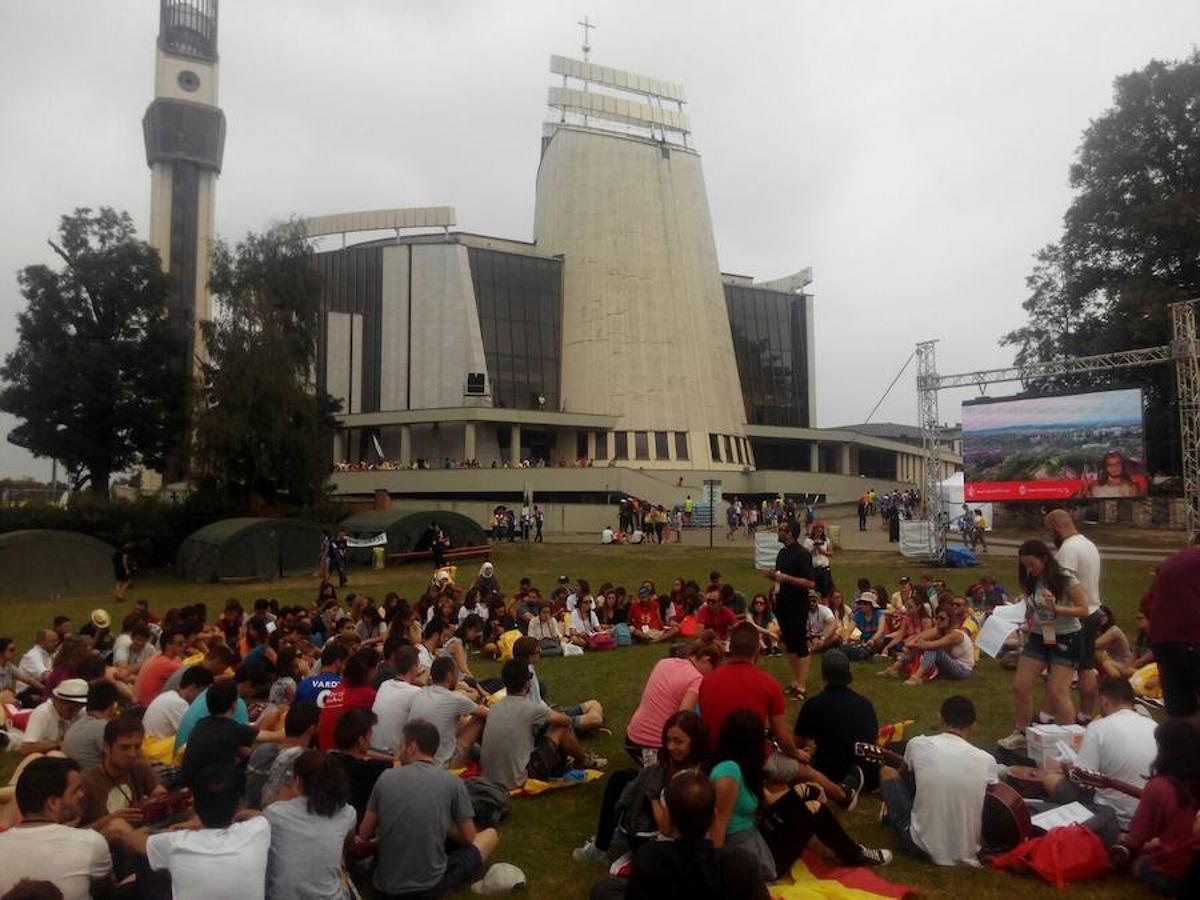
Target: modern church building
(609,355)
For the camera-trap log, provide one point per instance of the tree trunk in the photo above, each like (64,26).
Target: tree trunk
(98,477)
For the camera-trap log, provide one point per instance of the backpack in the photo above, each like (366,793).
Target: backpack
(602,640)
(622,635)
(490,800)
(633,812)
(1070,853)
(550,647)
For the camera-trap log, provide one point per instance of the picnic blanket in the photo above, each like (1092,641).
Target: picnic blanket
(811,876)
(533,787)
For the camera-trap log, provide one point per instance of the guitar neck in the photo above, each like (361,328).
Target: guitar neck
(1098,780)
(877,754)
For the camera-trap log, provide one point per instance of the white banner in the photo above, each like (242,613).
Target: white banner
(380,540)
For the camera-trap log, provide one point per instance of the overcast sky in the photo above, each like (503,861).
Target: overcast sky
(913,153)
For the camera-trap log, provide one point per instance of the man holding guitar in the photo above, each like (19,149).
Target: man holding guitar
(941,817)
(1120,747)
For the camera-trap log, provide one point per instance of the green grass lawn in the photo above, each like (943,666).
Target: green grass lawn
(541,832)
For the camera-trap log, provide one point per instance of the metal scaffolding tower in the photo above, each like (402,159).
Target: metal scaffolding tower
(1184,350)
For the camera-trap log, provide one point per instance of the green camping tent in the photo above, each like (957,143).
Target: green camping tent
(246,549)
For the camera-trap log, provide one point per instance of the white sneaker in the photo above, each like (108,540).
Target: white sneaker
(1014,741)
(589,852)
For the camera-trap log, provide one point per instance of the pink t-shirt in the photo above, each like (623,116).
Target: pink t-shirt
(669,680)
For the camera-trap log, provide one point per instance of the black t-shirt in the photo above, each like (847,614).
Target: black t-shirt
(214,742)
(362,775)
(120,566)
(793,601)
(836,719)
(695,870)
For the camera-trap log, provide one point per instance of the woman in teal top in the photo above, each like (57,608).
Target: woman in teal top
(738,779)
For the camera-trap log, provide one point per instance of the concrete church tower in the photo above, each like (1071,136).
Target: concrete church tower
(620,195)
(185,142)
(184,131)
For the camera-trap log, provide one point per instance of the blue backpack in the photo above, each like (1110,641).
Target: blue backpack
(622,635)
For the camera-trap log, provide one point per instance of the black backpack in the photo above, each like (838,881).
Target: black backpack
(490,800)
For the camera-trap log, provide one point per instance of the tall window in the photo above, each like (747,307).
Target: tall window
(601,439)
(641,445)
(681,445)
(621,439)
(581,442)
(771,347)
(661,445)
(714,447)
(728,449)
(737,446)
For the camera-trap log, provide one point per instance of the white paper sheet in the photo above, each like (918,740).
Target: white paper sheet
(992,635)
(1062,815)
(1014,613)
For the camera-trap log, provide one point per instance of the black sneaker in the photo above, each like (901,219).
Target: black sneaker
(852,784)
(871,856)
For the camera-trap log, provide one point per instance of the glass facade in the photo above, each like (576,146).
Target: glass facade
(519,299)
(770,343)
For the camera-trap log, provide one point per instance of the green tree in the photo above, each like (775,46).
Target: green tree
(96,378)
(262,425)
(1130,243)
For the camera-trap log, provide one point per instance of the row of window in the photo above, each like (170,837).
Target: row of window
(730,448)
(663,440)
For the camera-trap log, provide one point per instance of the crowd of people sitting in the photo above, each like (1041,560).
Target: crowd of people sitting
(282,751)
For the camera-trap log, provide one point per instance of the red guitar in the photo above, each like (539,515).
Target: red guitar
(1092,778)
(1005,815)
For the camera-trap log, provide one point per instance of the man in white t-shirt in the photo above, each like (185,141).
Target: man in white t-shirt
(38,659)
(166,711)
(606,535)
(1120,745)
(48,723)
(822,628)
(394,699)
(225,857)
(49,793)
(943,819)
(1078,556)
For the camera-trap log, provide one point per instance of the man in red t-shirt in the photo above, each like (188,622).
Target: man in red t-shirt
(645,624)
(716,616)
(740,684)
(156,670)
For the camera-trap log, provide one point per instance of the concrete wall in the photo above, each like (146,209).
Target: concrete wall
(645,331)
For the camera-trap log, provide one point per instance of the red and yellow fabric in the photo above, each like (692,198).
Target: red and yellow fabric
(812,877)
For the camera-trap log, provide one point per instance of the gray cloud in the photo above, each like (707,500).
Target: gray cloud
(915,154)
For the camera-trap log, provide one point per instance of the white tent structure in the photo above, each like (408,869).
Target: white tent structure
(950,498)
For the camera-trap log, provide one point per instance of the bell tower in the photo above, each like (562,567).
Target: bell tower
(184,130)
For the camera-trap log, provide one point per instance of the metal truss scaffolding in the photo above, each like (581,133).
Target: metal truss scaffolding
(1184,351)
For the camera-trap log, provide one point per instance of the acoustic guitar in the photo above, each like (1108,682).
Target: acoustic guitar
(1005,821)
(1094,779)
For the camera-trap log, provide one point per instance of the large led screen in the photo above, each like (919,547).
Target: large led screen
(1054,447)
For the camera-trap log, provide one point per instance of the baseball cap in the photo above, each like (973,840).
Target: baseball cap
(72,690)
(643,590)
(867,597)
(500,879)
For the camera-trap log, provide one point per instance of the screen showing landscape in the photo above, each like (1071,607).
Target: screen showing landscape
(1054,448)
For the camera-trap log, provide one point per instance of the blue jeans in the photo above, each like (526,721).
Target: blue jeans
(899,800)
(946,665)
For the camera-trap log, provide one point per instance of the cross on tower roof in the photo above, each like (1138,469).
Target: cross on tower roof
(587,26)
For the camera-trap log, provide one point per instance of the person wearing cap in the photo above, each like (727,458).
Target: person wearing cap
(868,619)
(97,627)
(645,621)
(48,723)
(836,719)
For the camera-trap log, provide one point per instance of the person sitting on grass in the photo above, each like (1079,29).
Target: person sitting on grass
(423,820)
(645,620)
(672,686)
(937,814)
(586,717)
(631,811)
(946,651)
(738,777)
(1162,834)
(238,842)
(869,619)
(44,844)
(914,622)
(762,617)
(822,628)
(836,719)
(583,623)
(122,779)
(715,616)
(688,864)
(48,723)
(524,739)
(309,825)
(442,704)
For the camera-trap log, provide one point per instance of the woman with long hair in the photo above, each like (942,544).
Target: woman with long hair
(761,615)
(948,651)
(821,547)
(1114,479)
(631,806)
(1162,830)
(673,686)
(309,824)
(1113,653)
(1055,603)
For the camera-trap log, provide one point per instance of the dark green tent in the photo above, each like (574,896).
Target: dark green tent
(40,563)
(410,531)
(246,549)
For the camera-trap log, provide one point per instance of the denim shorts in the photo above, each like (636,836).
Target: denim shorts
(1066,651)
